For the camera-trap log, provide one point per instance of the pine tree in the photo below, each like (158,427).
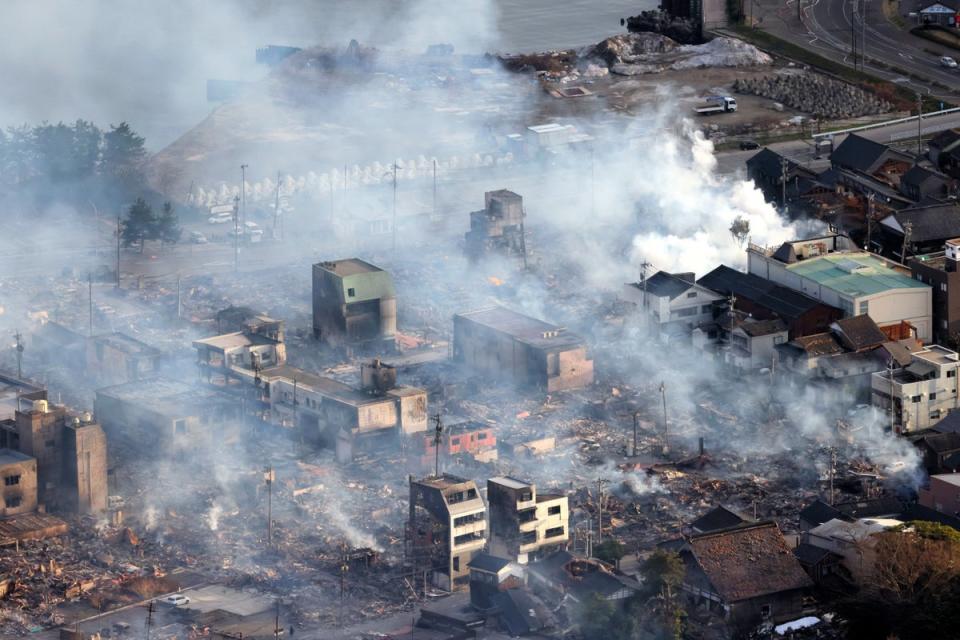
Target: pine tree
(140,225)
(123,152)
(168,228)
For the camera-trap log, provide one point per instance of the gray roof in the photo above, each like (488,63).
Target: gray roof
(669,285)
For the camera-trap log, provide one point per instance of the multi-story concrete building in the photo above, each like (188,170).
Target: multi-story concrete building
(505,344)
(71,455)
(354,305)
(447,527)
(224,359)
(19,488)
(832,270)
(524,526)
(942,494)
(498,227)
(923,392)
(941,272)
(673,303)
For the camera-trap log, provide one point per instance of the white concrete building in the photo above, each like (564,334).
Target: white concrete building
(923,392)
(673,303)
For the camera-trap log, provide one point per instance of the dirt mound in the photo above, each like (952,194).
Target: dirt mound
(634,54)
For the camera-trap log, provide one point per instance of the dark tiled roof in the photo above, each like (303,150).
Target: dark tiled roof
(859,332)
(754,328)
(818,513)
(785,254)
(945,139)
(935,222)
(748,562)
(670,285)
(949,423)
(487,562)
(767,162)
(809,554)
(786,303)
(870,508)
(719,518)
(942,442)
(861,154)
(918,175)
(517,611)
(926,514)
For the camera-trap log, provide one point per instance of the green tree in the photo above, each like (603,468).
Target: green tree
(53,147)
(662,573)
(596,617)
(123,152)
(140,225)
(610,550)
(85,151)
(168,228)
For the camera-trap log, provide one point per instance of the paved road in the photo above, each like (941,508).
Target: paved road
(827,29)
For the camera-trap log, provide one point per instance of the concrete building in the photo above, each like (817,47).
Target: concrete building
(942,494)
(334,414)
(71,455)
(115,358)
(740,341)
(162,415)
(230,358)
(245,319)
(941,272)
(19,473)
(446,529)
(673,303)
(525,526)
(832,270)
(354,305)
(923,392)
(501,343)
(497,229)
(478,440)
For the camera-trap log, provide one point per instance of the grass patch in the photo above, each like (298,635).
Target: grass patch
(902,98)
(939,35)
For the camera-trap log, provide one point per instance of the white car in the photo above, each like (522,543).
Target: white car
(948,62)
(176,600)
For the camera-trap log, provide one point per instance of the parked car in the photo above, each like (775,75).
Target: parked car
(176,600)
(197,238)
(948,62)
(749,145)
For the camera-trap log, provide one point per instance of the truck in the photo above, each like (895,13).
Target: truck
(716,104)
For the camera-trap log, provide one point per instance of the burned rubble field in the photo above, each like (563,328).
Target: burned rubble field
(206,521)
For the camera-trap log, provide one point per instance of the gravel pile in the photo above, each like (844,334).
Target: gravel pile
(817,95)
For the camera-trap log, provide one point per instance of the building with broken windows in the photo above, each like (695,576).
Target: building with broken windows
(19,488)
(354,305)
(501,343)
(115,358)
(525,525)
(446,529)
(921,393)
(497,229)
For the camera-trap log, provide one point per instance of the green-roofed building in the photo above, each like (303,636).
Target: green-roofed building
(354,304)
(831,269)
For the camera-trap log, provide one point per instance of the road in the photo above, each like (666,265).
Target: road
(828,27)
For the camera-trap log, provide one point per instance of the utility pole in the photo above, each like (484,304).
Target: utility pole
(833,471)
(600,483)
(907,232)
(523,238)
(870,203)
(437,439)
(643,286)
(243,190)
(919,123)
(90,303)
(149,618)
(890,378)
(118,251)
(863,39)
(784,164)
(344,567)
(853,39)
(178,298)
(666,441)
(636,420)
(269,477)
(236,234)
(19,348)
(276,622)
(394,208)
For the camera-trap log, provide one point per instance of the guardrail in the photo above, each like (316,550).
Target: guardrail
(887,123)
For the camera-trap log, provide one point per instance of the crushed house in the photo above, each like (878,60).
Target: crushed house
(501,343)
(766,300)
(168,415)
(525,525)
(229,360)
(940,451)
(446,529)
(746,574)
(354,305)
(922,392)
(940,271)
(115,358)
(673,303)
(831,269)
(863,166)
(563,578)
(498,228)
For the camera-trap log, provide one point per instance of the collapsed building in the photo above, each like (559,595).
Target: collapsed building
(497,229)
(446,529)
(115,358)
(354,305)
(498,343)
